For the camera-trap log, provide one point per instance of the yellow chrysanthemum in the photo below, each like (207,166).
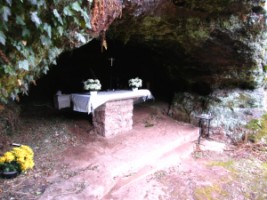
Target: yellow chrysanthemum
(28,150)
(9,156)
(20,160)
(31,164)
(23,155)
(17,151)
(23,166)
(2,159)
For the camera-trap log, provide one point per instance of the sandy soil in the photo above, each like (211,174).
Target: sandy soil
(230,172)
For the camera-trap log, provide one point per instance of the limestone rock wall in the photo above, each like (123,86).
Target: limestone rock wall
(212,44)
(231,109)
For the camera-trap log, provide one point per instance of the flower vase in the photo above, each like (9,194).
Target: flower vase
(134,89)
(93,93)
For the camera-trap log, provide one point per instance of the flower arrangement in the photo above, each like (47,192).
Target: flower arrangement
(135,82)
(92,84)
(19,159)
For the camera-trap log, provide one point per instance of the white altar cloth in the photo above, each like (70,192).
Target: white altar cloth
(88,103)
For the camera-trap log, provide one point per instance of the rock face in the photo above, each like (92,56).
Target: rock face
(214,51)
(204,45)
(230,109)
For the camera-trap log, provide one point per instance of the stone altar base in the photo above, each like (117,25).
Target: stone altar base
(113,117)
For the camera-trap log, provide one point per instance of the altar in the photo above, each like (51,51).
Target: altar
(112,111)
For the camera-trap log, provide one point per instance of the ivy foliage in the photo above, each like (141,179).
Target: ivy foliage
(32,34)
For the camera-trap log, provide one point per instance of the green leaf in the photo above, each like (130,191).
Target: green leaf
(48,29)
(86,19)
(45,69)
(56,1)
(46,41)
(9,70)
(17,45)
(54,62)
(60,30)
(76,21)
(54,52)
(35,19)
(5,13)
(57,15)
(19,20)
(25,33)
(2,38)
(76,6)
(9,2)
(31,60)
(80,38)
(25,51)
(4,27)
(13,97)
(33,2)
(29,78)
(41,3)
(67,11)
(24,64)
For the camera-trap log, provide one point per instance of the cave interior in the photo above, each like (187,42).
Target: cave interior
(92,61)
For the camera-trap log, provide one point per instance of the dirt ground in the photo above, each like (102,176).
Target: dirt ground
(238,172)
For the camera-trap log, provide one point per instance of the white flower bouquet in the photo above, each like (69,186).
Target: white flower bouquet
(92,85)
(135,82)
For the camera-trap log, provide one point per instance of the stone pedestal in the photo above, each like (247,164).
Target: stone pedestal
(114,117)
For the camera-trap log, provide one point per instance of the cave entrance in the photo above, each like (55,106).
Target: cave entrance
(90,61)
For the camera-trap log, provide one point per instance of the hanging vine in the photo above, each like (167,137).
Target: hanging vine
(33,33)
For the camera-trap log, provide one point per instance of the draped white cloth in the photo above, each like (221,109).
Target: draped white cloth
(88,103)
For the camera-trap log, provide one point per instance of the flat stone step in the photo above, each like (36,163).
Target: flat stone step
(140,149)
(105,165)
(172,158)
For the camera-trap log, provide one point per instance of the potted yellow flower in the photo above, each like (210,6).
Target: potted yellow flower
(19,159)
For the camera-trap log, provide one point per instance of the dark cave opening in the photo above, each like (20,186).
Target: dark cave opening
(89,61)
